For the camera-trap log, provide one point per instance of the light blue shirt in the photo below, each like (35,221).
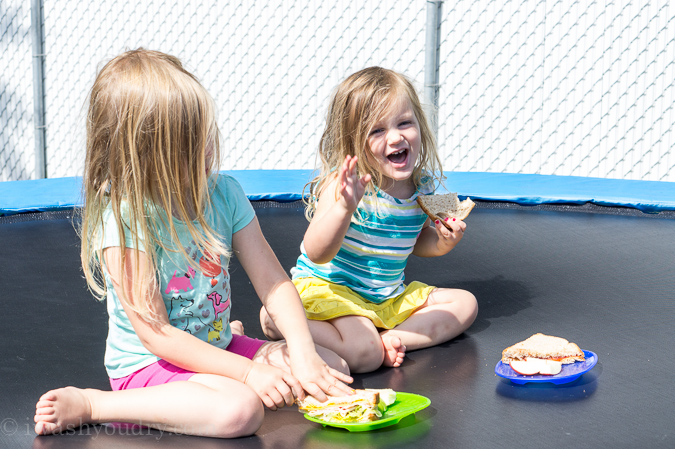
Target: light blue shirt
(197,301)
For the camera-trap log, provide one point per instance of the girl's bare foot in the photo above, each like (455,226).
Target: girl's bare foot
(63,409)
(237,327)
(394,351)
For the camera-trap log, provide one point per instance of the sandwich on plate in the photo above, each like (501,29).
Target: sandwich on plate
(448,205)
(541,354)
(360,407)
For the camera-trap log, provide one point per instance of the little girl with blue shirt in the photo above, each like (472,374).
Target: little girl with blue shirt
(159,226)
(378,155)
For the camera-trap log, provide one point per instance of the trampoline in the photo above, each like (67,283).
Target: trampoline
(593,269)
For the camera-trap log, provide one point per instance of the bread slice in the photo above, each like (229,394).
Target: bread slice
(545,347)
(440,207)
(362,406)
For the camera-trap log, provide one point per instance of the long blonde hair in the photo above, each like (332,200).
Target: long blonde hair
(152,140)
(357,104)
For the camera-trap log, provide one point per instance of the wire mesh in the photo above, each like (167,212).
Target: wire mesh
(564,88)
(16,92)
(270,66)
(527,86)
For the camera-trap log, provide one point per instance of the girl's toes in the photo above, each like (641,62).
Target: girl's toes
(394,351)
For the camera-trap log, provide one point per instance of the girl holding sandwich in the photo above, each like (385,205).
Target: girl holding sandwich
(377,156)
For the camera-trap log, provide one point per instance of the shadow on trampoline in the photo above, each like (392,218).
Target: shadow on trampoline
(578,390)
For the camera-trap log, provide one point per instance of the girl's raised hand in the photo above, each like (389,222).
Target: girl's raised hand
(274,386)
(350,186)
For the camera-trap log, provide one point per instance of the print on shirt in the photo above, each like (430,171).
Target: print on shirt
(219,306)
(182,282)
(182,304)
(181,313)
(206,312)
(217,329)
(210,266)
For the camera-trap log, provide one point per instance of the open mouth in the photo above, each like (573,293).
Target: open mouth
(399,157)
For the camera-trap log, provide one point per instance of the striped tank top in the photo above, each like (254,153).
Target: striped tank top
(382,234)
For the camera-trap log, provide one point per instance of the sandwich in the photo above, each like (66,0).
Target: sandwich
(448,205)
(360,407)
(541,354)
(544,347)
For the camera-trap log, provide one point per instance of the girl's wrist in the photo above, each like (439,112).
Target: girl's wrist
(248,367)
(344,210)
(300,347)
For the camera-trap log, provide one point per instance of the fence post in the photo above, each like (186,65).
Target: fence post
(431,59)
(38,89)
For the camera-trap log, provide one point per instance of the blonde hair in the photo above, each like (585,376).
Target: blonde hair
(152,139)
(358,103)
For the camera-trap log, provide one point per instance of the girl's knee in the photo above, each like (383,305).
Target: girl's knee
(237,414)
(471,305)
(366,356)
(465,299)
(269,328)
(263,314)
(333,360)
(468,307)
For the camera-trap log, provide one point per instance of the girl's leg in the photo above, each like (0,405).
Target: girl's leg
(276,354)
(354,338)
(206,405)
(333,358)
(446,314)
(269,328)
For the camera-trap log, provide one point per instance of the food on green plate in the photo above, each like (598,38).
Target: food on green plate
(362,406)
(387,395)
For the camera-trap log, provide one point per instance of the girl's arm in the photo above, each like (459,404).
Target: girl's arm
(274,386)
(337,202)
(283,304)
(438,240)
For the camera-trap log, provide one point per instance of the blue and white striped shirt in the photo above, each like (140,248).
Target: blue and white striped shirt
(375,249)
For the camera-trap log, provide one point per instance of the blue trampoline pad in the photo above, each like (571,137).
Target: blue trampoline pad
(287,185)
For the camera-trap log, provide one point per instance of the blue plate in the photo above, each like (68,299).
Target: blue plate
(570,372)
(406,404)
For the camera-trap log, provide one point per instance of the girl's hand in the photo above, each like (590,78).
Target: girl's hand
(338,200)
(349,186)
(448,239)
(317,378)
(275,387)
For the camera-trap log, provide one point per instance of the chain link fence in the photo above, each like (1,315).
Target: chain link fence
(16,92)
(582,88)
(564,88)
(270,66)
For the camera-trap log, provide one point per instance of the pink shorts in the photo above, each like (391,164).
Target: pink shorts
(162,372)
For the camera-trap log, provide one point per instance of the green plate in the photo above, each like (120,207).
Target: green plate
(405,404)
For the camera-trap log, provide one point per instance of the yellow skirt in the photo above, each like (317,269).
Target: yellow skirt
(324,301)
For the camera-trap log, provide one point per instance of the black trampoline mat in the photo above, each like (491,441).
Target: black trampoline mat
(600,277)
